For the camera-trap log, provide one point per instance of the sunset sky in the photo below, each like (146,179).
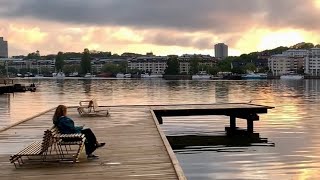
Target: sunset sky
(159,26)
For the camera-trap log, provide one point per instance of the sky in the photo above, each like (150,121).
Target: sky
(162,27)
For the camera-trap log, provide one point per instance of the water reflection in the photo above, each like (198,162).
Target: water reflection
(293,125)
(219,143)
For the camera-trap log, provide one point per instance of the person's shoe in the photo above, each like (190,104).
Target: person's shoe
(92,156)
(101,145)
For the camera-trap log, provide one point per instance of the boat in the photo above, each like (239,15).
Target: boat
(89,75)
(201,75)
(147,75)
(291,76)
(254,76)
(58,75)
(121,75)
(74,74)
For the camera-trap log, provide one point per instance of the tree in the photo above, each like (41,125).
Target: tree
(59,62)
(250,67)
(68,69)
(12,70)
(194,65)
(172,66)
(85,62)
(111,68)
(213,70)
(34,55)
(123,66)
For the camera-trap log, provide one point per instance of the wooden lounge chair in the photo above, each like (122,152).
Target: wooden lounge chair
(37,150)
(51,148)
(91,108)
(65,142)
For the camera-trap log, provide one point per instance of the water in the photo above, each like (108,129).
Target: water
(292,128)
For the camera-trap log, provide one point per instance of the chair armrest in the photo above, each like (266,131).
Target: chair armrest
(81,103)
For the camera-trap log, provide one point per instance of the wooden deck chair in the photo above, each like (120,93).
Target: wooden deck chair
(91,108)
(36,151)
(65,143)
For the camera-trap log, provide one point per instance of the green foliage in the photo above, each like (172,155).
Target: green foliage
(225,65)
(123,66)
(172,66)
(238,70)
(46,71)
(23,71)
(100,54)
(85,62)
(263,70)
(111,68)
(59,62)
(302,45)
(250,67)
(12,70)
(33,55)
(34,71)
(68,69)
(213,70)
(194,65)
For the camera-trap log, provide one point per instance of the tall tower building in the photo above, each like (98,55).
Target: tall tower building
(3,48)
(221,50)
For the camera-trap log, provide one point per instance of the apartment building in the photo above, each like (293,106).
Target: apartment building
(282,64)
(153,64)
(204,60)
(221,50)
(3,48)
(312,62)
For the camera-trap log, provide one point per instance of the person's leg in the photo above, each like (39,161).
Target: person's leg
(91,141)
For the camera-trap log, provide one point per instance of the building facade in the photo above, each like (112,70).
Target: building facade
(312,62)
(221,50)
(3,48)
(152,64)
(204,60)
(282,64)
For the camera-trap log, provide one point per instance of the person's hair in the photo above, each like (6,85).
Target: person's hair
(60,111)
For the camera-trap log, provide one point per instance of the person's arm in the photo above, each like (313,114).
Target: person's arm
(67,126)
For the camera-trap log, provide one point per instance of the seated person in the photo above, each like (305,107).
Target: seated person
(66,126)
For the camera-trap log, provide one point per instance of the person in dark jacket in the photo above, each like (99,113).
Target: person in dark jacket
(66,126)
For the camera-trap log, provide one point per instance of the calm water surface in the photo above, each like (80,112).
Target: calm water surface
(292,128)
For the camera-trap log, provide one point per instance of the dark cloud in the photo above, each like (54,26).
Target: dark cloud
(217,16)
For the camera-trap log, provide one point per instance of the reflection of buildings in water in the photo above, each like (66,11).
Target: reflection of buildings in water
(5,109)
(222,92)
(87,85)
(312,88)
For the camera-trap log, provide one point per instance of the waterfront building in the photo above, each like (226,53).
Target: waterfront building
(153,64)
(296,53)
(204,60)
(3,48)
(97,64)
(280,64)
(221,50)
(312,62)
(31,64)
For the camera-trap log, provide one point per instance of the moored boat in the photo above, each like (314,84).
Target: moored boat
(291,76)
(254,76)
(201,75)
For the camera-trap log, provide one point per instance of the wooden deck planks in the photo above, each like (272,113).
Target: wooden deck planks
(134,148)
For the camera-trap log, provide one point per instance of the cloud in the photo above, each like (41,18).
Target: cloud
(179,24)
(217,16)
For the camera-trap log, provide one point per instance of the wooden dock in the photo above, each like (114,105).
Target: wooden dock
(136,146)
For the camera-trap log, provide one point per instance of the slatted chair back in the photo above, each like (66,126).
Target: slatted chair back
(95,105)
(47,141)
